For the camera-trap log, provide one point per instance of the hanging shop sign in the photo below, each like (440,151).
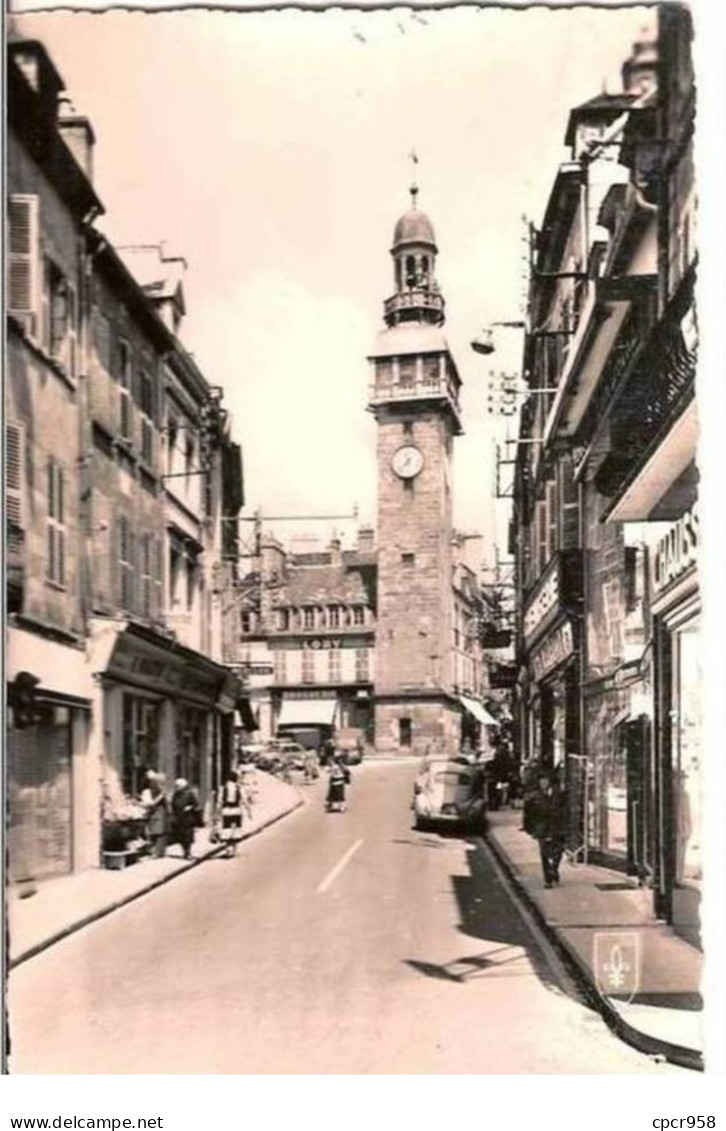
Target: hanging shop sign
(545,598)
(557,648)
(675,553)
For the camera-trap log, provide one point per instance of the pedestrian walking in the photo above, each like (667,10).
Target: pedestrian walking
(154,800)
(247,777)
(186,815)
(338,778)
(310,767)
(546,823)
(229,814)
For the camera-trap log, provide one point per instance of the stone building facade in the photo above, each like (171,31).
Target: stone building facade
(622,416)
(53,817)
(104,680)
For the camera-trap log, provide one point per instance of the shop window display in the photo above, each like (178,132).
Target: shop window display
(686,749)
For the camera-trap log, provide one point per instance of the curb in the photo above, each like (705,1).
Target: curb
(643,1042)
(102,912)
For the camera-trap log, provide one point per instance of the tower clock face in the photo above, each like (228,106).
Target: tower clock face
(407,461)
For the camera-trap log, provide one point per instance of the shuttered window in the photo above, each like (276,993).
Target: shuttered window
(569,506)
(308,666)
(158,577)
(56,562)
(14,461)
(126,563)
(147,580)
(334,667)
(23,260)
(541,535)
(123,376)
(362,671)
(552,519)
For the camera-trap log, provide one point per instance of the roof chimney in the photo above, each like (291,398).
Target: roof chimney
(640,70)
(366,540)
(336,557)
(77,133)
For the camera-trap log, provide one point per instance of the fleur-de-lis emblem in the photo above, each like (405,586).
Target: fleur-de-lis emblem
(617,963)
(617,968)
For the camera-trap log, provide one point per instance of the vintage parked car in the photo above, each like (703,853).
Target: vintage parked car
(449,792)
(290,753)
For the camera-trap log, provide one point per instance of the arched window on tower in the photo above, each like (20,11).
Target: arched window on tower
(424,272)
(399,275)
(410,271)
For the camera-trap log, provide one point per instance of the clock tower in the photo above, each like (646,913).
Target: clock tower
(415,400)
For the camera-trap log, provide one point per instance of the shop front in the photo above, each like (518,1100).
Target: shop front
(51,790)
(554,718)
(618,726)
(161,707)
(676,609)
(475,721)
(309,717)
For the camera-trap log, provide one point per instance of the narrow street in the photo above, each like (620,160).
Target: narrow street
(332,944)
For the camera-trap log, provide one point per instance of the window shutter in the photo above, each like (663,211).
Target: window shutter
(56,528)
(541,536)
(552,519)
(124,554)
(23,259)
(14,464)
(102,555)
(70,360)
(158,579)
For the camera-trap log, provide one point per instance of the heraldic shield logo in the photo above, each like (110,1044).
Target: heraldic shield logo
(617,963)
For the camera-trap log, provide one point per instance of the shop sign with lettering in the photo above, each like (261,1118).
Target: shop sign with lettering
(322,693)
(321,643)
(675,552)
(544,600)
(557,648)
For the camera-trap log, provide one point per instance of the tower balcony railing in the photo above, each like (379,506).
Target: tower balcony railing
(417,298)
(422,389)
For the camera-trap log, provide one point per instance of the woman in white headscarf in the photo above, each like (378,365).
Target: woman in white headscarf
(153,798)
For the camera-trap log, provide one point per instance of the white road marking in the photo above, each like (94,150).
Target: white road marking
(335,872)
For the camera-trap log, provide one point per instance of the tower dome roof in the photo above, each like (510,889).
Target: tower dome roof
(414,226)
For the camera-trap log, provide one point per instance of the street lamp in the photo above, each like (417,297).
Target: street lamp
(484,341)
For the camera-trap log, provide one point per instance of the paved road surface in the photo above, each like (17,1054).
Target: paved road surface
(333,943)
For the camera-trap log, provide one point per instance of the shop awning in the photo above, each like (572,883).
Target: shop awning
(245,715)
(307,712)
(60,670)
(478,711)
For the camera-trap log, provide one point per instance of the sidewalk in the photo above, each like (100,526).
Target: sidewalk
(61,906)
(664,1017)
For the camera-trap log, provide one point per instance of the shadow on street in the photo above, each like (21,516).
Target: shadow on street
(487,912)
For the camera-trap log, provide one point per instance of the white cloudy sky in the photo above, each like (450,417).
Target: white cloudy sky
(270,149)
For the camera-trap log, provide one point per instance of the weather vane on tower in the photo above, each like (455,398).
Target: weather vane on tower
(413,158)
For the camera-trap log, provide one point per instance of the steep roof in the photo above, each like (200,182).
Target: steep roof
(322,585)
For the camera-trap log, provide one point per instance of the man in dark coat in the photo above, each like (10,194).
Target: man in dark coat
(546,823)
(185,815)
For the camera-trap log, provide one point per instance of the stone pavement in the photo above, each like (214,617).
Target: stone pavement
(58,907)
(665,1014)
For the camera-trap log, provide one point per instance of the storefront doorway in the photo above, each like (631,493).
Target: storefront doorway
(140,750)
(39,783)
(686,756)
